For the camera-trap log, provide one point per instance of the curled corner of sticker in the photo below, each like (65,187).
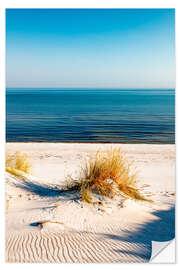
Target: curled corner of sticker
(163,252)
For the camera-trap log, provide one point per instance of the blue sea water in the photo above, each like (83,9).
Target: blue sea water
(90,115)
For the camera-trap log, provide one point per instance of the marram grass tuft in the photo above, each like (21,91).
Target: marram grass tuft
(107,173)
(18,164)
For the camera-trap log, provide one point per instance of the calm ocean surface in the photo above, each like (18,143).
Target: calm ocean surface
(93,115)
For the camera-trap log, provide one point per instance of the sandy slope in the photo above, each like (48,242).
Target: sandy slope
(44,225)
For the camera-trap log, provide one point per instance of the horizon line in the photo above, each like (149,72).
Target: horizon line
(113,88)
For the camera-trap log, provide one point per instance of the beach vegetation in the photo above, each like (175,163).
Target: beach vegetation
(18,163)
(109,174)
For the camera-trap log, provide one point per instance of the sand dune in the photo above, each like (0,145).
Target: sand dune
(46,225)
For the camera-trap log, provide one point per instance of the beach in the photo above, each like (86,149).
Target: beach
(46,225)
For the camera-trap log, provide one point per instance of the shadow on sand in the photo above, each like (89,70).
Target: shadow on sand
(42,190)
(38,189)
(161,230)
(33,186)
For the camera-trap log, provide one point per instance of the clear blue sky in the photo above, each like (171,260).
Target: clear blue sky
(118,48)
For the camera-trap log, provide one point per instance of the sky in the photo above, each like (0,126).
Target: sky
(90,48)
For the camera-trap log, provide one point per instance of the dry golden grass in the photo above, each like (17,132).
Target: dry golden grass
(107,173)
(18,164)
(86,195)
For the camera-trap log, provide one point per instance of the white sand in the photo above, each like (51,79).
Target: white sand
(72,231)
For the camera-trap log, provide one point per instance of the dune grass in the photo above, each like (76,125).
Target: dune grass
(108,173)
(18,163)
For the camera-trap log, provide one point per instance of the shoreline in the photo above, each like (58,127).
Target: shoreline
(93,142)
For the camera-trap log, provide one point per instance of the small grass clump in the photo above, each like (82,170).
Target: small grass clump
(18,163)
(108,174)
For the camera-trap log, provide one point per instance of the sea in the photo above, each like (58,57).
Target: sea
(90,115)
